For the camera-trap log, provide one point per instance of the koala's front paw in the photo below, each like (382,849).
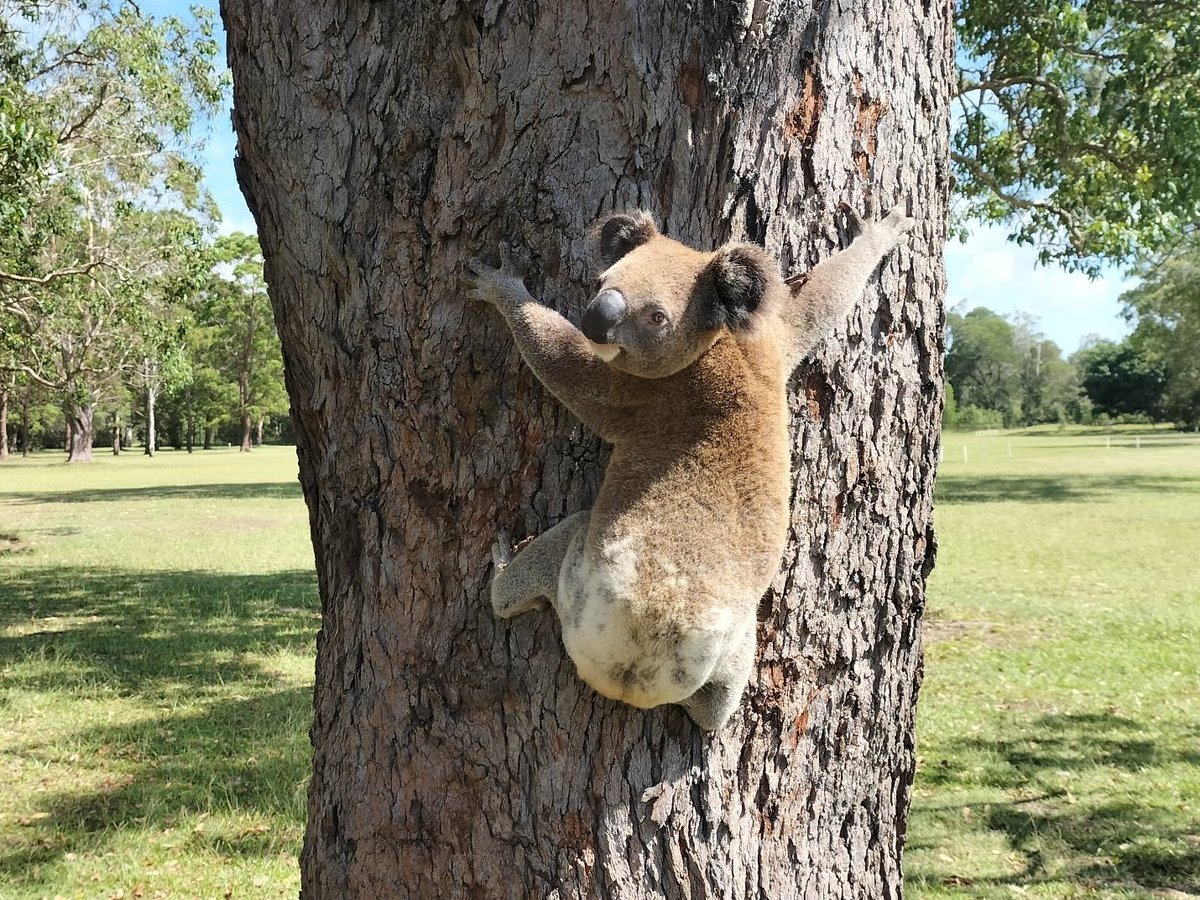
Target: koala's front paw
(887,232)
(501,287)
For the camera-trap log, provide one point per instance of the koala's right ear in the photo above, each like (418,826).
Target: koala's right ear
(737,281)
(622,233)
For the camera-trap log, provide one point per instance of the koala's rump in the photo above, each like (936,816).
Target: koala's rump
(649,612)
(639,646)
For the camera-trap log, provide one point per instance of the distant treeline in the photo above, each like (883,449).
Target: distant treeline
(1003,373)
(125,427)
(122,317)
(214,376)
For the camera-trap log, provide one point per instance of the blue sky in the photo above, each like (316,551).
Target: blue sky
(986,270)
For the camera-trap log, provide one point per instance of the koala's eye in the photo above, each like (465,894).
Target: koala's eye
(658,318)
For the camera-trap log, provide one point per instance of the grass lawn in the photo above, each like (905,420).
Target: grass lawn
(157,620)
(1059,722)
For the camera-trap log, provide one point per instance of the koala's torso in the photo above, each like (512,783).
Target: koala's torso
(648,607)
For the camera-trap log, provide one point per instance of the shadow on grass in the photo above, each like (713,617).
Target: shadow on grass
(1123,844)
(190,654)
(965,488)
(133,630)
(257,490)
(1144,431)
(246,758)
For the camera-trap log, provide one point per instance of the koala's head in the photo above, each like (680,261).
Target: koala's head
(659,305)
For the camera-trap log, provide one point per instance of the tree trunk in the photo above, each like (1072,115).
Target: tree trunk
(189,419)
(208,436)
(258,430)
(79,432)
(116,434)
(456,755)
(26,432)
(3,424)
(151,425)
(247,433)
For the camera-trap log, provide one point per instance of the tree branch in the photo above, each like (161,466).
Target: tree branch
(70,131)
(1017,201)
(52,276)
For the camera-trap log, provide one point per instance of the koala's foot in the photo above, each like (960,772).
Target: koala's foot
(509,594)
(712,705)
(716,700)
(523,579)
(502,287)
(502,550)
(883,234)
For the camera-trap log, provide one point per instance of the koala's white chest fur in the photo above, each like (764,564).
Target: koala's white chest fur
(619,632)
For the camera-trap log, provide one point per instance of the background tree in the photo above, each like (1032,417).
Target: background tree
(983,362)
(97,228)
(244,346)
(456,755)
(1166,309)
(1121,380)
(1049,385)
(1076,121)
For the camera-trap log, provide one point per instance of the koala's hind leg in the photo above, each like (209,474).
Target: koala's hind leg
(716,700)
(522,580)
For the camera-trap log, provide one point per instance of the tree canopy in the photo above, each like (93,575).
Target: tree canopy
(105,224)
(1078,124)
(1166,310)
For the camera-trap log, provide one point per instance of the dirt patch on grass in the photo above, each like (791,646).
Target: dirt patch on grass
(992,634)
(11,543)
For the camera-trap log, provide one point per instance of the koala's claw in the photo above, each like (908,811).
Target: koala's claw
(857,223)
(500,287)
(502,550)
(889,229)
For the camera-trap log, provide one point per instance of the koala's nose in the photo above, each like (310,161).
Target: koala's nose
(605,311)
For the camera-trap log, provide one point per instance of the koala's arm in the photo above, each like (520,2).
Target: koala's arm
(822,297)
(557,352)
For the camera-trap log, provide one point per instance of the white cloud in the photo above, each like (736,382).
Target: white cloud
(990,271)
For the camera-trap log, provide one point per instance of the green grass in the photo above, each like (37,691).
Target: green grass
(1059,722)
(157,620)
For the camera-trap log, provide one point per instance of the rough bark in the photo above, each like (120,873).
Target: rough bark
(247,433)
(258,430)
(79,432)
(459,756)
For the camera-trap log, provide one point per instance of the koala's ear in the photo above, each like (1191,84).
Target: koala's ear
(622,233)
(735,283)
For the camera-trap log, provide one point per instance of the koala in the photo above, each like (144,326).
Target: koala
(681,363)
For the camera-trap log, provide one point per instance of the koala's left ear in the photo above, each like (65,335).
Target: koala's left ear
(736,282)
(623,233)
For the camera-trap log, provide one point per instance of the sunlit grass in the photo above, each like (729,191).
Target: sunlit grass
(1059,722)
(157,620)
